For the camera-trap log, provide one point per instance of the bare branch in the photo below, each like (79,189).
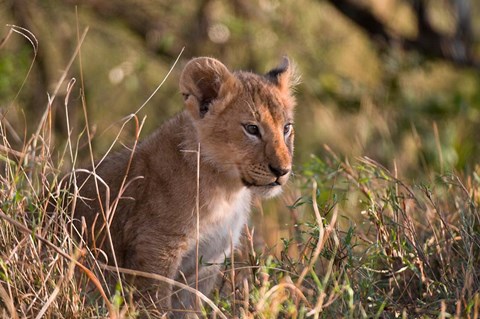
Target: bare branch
(456,49)
(365,19)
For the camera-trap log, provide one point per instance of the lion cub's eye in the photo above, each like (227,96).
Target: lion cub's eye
(287,129)
(252,129)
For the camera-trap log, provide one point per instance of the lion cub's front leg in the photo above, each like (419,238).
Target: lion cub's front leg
(184,302)
(156,253)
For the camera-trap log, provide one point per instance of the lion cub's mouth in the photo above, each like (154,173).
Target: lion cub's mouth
(250,184)
(276,183)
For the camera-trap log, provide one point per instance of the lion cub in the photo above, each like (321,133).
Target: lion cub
(242,124)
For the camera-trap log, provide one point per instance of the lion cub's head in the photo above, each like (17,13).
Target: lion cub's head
(244,121)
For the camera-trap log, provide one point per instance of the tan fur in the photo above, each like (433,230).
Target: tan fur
(152,218)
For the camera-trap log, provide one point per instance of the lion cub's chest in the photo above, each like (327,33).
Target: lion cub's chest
(226,216)
(221,221)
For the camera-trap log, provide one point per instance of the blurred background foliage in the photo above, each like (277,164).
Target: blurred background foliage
(395,80)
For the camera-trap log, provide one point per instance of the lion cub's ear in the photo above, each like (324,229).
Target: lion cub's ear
(284,76)
(203,82)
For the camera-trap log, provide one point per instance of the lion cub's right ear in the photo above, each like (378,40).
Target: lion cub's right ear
(203,83)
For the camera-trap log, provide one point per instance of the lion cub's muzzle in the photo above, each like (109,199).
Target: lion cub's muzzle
(265,175)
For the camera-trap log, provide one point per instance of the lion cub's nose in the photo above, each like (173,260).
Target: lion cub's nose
(279,171)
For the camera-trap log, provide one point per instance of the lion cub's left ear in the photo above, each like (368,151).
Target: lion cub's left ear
(205,84)
(284,76)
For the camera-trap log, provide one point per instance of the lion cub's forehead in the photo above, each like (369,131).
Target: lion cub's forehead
(262,96)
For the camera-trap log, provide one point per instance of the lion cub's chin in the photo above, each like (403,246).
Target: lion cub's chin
(266,191)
